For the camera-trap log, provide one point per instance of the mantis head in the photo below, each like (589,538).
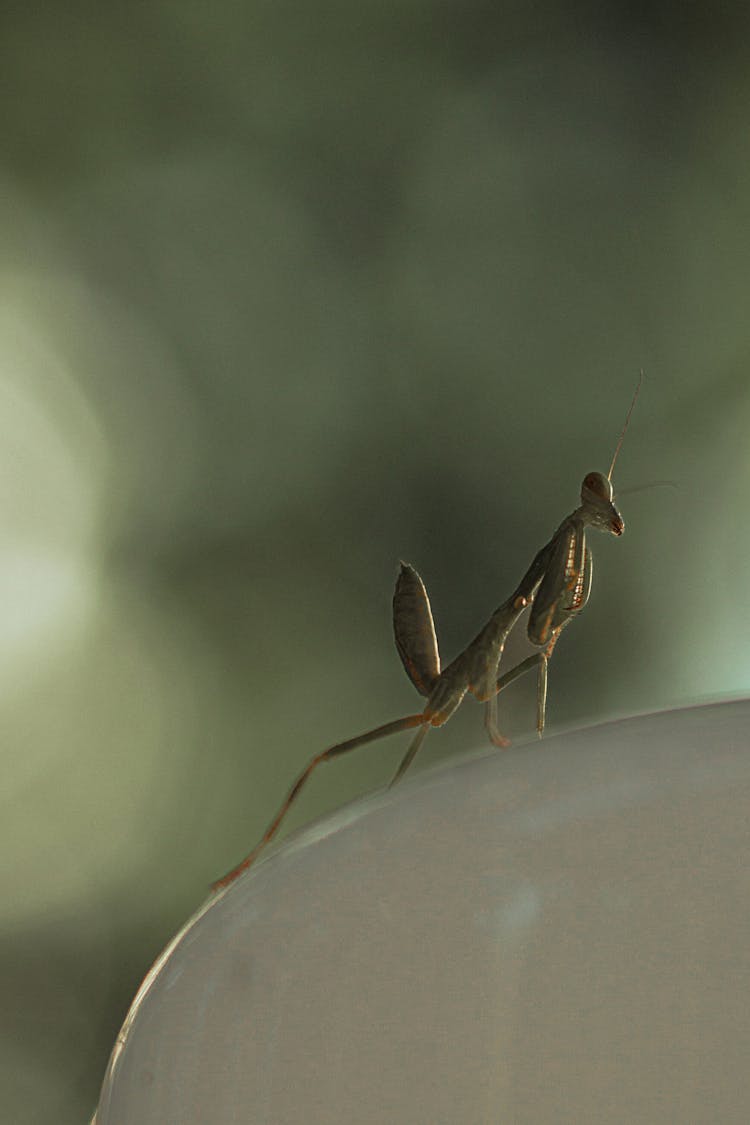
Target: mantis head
(597,500)
(597,495)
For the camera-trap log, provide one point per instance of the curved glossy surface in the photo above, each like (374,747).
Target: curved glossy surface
(558,932)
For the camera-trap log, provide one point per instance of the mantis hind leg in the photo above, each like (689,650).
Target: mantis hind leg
(411,753)
(410,721)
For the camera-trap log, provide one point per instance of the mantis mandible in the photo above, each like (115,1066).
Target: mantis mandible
(556,586)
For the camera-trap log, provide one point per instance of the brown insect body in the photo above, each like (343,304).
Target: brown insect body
(556,585)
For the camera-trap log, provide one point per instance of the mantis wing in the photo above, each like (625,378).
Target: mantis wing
(414,630)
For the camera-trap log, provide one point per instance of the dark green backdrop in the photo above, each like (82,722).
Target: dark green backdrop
(289,291)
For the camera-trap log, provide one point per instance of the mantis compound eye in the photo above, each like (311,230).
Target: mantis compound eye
(599,485)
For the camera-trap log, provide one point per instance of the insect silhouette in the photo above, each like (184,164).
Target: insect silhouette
(556,586)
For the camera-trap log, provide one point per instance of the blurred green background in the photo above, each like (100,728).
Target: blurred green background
(289,292)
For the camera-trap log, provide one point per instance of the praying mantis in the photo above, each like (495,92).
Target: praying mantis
(556,586)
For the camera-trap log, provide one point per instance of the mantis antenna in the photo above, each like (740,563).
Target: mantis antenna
(624,428)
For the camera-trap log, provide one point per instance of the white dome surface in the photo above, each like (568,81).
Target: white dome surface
(559,932)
